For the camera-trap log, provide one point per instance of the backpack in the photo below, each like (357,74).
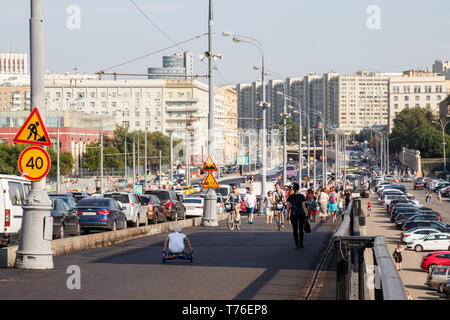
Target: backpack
(333,197)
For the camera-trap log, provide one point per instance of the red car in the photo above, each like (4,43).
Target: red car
(432,259)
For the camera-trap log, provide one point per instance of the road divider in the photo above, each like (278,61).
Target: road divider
(103,239)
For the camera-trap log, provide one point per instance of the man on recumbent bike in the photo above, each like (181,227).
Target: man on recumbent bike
(178,243)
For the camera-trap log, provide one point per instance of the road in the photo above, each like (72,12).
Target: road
(257,262)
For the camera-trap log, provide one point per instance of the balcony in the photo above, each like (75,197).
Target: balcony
(181,99)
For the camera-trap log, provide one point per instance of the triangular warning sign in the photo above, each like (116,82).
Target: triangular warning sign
(210,182)
(33,131)
(209,165)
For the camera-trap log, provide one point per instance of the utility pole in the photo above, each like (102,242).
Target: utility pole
(101,157)
(134,162)
(309,147)
(314,165)
(125,164)
(285,115)
(145,158)
(35,246)
(324,164)
(58,174)
(159,187)
(138,159)
(336,159)
(171,155)
(345,158)
(188,161)
(209,218)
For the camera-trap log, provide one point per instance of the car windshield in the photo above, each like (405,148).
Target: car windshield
(119,197)
(93,202)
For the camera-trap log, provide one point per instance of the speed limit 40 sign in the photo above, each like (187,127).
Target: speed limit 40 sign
(34,163)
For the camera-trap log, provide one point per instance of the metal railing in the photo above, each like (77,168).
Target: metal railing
(350,248)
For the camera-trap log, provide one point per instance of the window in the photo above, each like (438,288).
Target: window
(395,107)
(439,98)
(113,104)
(170,95)
(114,94)
(103,94)
(125,94)
(137,105)
(16,194)
(126,123)
(148,95)
(396,98)
(407,105)
(92,104)
(80,95)
(93,95)
(406,98)
(406,89)
(68,95)
(137,95)
(126,105)
(58,94)
(137,124)
(417,98)
(125,113)
(416,89)
(428,98)
(179,94)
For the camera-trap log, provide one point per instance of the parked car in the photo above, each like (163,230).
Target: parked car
(67,197)
(78,195)
(437,277)
(433,259)
(14,189)
(197,187)
(418,185)
(402,218)
(135,212)
(445,192)
(154,208)
(188,190)
(441,185)
(426,224)
(406,178)
(417,233)
(446,288)
(65,219)
(171,201)
(431,242)
(101,213)
(194,206)
(398,211)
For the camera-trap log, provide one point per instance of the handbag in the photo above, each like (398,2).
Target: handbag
(307,227)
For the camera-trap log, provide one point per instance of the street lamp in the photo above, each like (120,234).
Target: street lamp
(443,126)
(252,41)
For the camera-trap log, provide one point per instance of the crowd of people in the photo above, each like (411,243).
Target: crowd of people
(298,209)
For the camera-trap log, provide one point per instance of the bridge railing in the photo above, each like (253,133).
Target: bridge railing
(350,247)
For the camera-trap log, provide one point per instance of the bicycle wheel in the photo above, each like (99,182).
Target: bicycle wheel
(279,221)
(230,222)
(238,225)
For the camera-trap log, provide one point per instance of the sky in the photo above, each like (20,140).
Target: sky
(299,37)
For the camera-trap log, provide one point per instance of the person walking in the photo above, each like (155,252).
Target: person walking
(269,202)
(439,196)
(323,204)
(398,257)
(369,208)
(332,204)
(297,214)
(314,208)
(280,196)
(426,196)
(250,204)
(348,197)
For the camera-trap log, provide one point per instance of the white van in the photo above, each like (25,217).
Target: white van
(14,191)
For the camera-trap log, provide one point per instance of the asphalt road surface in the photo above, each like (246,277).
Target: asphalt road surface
(257,262)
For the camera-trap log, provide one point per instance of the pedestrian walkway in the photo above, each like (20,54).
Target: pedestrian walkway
(257,262)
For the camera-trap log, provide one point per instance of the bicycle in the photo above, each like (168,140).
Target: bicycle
(231,222)
(279,207)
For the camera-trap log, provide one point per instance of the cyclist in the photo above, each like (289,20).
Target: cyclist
(280,196)
(235,198)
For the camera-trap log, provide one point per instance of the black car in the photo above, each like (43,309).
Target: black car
(398,211)
(101,213)
(446,288)
(65,219)
(67,197)
(154,208)
(171,201)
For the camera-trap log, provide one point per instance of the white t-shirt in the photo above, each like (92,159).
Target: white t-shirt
(323,197)
(250,200)
(176,242)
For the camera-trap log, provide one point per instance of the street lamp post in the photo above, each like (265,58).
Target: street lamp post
(443,126)
(263,104)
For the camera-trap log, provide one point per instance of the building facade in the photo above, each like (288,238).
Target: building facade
(422,91)
(13,63)
(176,64)
(230,130)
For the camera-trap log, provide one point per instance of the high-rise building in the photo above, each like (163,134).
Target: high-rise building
(13,63)
(176,64)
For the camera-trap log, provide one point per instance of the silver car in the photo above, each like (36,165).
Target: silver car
(135,212)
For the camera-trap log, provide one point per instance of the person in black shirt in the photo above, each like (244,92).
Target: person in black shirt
(297,213)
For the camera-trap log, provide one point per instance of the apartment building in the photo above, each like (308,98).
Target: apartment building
(421,90)
(230,135)
(13,63)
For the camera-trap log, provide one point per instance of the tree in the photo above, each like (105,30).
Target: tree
(66,162)
(9,157)
(111,157)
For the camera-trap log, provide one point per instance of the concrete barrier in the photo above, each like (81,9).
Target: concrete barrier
(103,239)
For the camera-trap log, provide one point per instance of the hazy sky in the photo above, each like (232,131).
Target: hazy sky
(298,36)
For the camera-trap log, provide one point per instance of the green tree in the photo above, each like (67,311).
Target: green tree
(9,158)
(66,162)
(111,157)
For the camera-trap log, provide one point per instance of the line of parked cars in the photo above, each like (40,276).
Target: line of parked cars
(422,230)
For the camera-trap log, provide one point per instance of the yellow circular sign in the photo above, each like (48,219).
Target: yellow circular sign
(34,163)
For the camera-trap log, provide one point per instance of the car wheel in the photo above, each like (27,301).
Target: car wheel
(431,266)
(61,231)
(77,230)
(441,288)
(138,219)
(418,248)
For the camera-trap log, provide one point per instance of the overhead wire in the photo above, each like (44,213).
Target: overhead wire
(169,38)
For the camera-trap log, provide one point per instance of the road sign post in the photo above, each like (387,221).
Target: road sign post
(210,208)
(35,245)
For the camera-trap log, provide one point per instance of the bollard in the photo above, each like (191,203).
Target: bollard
(209,218)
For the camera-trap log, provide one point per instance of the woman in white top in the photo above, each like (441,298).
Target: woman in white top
(323,204)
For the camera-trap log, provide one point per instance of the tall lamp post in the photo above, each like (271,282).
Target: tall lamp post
(443,126)
(263,104)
